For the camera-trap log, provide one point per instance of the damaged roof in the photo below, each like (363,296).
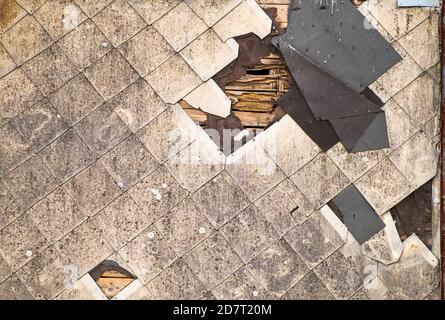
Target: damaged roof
(98,162)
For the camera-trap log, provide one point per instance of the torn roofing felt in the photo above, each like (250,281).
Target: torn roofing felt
(334,89)
(338,37)
(251,50)
(357,214)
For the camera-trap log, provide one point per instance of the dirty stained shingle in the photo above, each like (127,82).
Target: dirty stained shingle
(105,163)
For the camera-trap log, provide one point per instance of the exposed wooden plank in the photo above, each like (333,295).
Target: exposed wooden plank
(254,95)
(254,119)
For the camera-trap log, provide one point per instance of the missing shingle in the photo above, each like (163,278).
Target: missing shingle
(254,83)
(414,215)
(111,278)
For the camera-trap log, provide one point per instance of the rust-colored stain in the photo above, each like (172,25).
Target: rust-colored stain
(9,11)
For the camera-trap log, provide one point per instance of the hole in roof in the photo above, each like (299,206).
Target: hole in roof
(254,97)
(414,215)
(111,277)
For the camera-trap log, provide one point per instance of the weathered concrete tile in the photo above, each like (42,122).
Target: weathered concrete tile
(30,182)
(197,163)
(346,271)
(129,162)
(50,70)
(309,288)
(11,14)
(40,125)
(17,93)
(76,99)
(148,254)
(153,10)
(177,282)
(6,62)
(386,246)
(253,170)
(435,295)
(5,270)
(213,260)
(208,296)
(157,194)
(47,275)
(85,45)
(422,42)
(278,208)
(21,241)
(184,227)
(372,22)
(403,73)
(59,17)
(354,165)
(14,149)
(320,180)
(9,207)
(432,127)
(134,291)
(240,286)
(435,72)
(397,21)
(102,129)
(137,105)
(420,99)
(119,22)
(383,186)
(180,26)
(378,89)
(417,159)
(120,221)
(374,290)
(92,7)
(14,289)
(83,289)
(318,237)
(212,11)
(84,247)
(305,207)
(173,80)
(169,133)
(93,188)
(146,51)
(288,145)
(208,54)
(247,17)
(31,5)
(400,126)
(111,74)
(249,233)
(210,98)
(415,275)
(25,40)
(278,268)
(220,199)
(67,156)
(56,215)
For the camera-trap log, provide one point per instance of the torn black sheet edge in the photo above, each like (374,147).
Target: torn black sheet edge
(317,89)
(357,214)
(321,132)
(327,97)
(341,40)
